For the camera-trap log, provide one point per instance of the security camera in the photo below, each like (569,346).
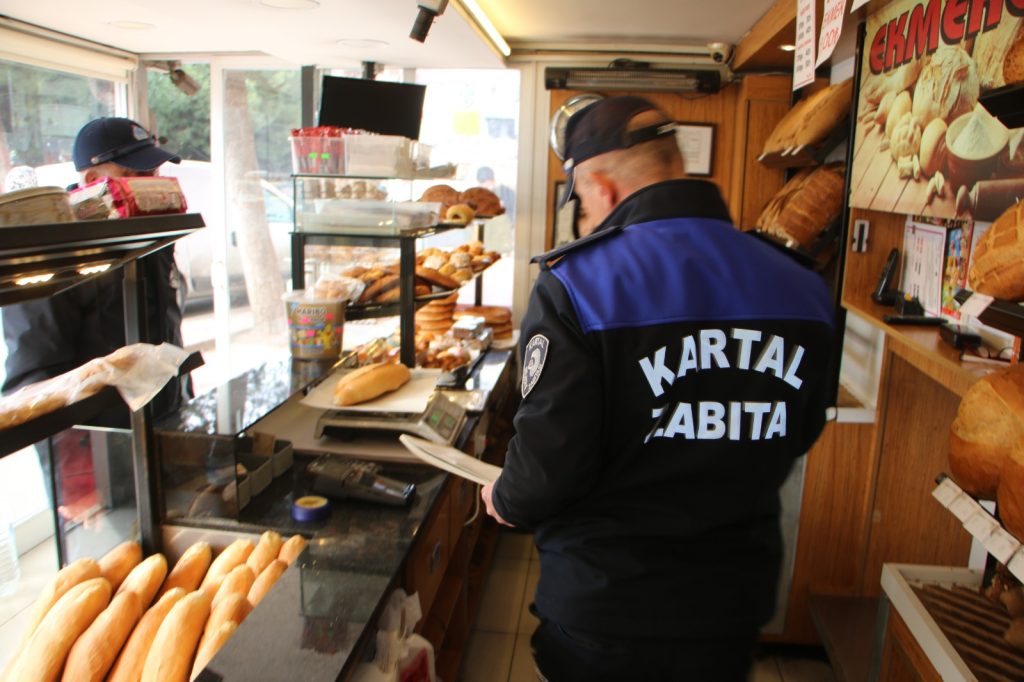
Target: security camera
(720,52)
(428,11)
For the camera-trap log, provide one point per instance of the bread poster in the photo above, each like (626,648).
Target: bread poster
(924,146)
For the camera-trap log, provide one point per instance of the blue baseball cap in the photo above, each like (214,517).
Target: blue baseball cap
(121,141)
(601,128)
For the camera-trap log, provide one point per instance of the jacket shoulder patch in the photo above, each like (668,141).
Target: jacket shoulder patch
(536,354)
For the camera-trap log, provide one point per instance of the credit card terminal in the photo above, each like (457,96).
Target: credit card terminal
(341,478)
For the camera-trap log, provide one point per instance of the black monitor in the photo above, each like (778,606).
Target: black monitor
(377,106)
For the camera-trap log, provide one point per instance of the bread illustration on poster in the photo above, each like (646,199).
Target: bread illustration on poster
(924,144)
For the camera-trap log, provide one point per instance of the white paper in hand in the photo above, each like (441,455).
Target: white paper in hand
(451,460)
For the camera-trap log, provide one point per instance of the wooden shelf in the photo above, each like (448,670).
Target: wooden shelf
(923,348)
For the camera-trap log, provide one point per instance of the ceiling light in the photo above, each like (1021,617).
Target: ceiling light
(131,25)
(33,279)
(290,4)
(93,269)
(483,22)
(362,43)
(787,48)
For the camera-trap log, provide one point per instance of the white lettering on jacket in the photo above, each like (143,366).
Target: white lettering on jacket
(709,420)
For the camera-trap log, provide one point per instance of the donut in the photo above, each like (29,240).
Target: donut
(459,213)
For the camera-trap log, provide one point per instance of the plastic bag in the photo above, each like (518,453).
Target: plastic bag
(138,372)
(402,656)
(331,287)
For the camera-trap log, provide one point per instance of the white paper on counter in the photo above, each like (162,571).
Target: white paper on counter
(409,399)
(451,460)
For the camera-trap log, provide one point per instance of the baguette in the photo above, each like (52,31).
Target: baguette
(265,581)
(366,383)
(95,651)
(170,657)
(190,569)
(234,608)
(209,647)
(291,549)
(74,573)
(45,653)
(119,562)
(238,581)
(266,551)
(145,579)
(235,553)
(128,667)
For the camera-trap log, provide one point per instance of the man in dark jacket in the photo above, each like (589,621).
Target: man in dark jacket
(674,369)
(48,337)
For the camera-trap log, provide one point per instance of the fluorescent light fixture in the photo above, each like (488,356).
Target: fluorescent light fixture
(362,43)
(787,48)
(131,25)
(483,22)
(93,269)
(290,4)
(33,279)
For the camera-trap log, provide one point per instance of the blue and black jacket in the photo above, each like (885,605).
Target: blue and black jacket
(674,369)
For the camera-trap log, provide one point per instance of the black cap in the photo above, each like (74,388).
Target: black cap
(121,141)
(601,128)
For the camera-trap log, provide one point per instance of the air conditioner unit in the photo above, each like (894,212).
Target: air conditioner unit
(632,78)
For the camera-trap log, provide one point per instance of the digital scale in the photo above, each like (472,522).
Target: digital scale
(441,422)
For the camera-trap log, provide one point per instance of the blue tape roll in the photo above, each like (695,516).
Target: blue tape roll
(311,508)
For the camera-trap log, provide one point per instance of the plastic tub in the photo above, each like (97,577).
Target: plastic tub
(315,326)
(377,155)
(318,154)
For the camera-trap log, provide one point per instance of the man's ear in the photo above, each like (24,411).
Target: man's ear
(607,190)
(90,174)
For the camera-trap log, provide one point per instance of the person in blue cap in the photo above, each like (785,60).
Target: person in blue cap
(48,337)
(674,370)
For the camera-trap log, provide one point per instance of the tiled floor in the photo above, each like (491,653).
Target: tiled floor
(499,648)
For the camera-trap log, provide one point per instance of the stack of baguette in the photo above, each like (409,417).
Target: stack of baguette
(126,619)
(812,119)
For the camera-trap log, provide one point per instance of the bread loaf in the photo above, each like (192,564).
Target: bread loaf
(291,549)
(73,574)
(209,647)
(997,266)
(782,136)
(190,569)
(174,646)
(146,578)
(238,581)
(128,667)
(265,581)
(367,383)
(267,549)
(805,205)
(989,421)
(1010,494)
(234,554)
(119,562)
(830,109)
(482,200)
(234,608)
(94,653)
(459,213)
(46,651)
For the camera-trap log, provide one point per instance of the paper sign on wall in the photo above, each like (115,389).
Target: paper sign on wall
(831,29)
(803,56)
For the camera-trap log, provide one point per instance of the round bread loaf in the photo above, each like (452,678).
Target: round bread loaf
(1013,62)
(1010,496)
(989,423)
(445,194)
(483,200)
(997,266)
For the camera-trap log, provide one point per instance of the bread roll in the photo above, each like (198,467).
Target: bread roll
(190,569)
(73,574)
(234,554)
(459,213)
(47,650)
(1010,494)
(146,578)
(997,266)
(933,147)
(128,667)
(174,646)
(94,653)
(291,549)
(119,562)
(234,608)
(238,581)
(265,581)
(209,647)
(989,421)
(267,549)
(366,383)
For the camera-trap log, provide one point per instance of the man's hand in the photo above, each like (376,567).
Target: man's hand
(486,495)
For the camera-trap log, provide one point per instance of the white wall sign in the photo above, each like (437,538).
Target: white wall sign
(831,29)
(803,56)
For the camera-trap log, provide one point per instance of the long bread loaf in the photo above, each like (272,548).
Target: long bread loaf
(94,653)
(119,562)
(366,383)
(190,569)
(238,581)
(209,647)
(266,551)
(291,549)
(266,580)
(234,554)
(128,667)
(174,647)
(146,578)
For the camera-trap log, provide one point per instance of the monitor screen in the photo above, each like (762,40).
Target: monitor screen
(376,106)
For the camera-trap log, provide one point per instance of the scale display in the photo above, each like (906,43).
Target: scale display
(441,422)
